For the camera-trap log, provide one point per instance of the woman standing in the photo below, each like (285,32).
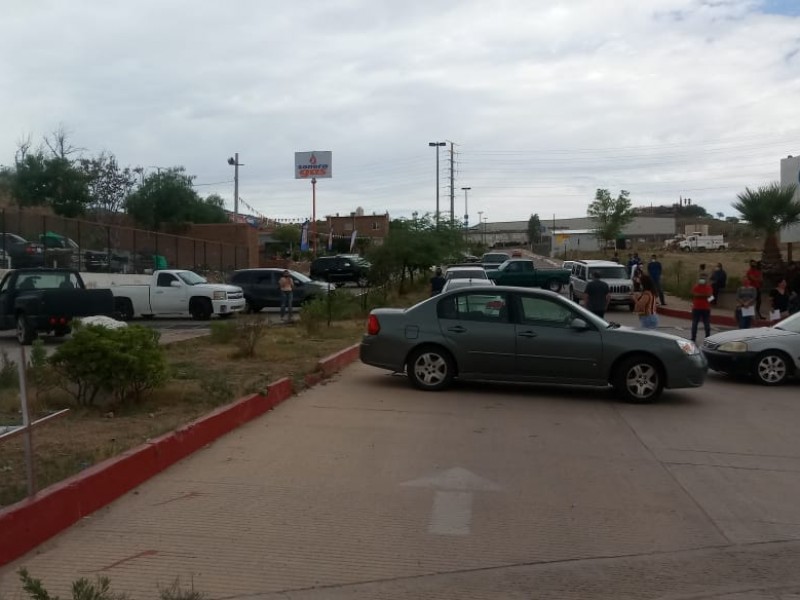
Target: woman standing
(779,296)
(746,299)
(645,305)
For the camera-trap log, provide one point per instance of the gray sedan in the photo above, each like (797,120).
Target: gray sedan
(771,354)
(525,335)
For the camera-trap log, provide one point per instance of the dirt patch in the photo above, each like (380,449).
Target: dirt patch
(205,375)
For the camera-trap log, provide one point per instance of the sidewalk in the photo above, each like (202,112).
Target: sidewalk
(682,309)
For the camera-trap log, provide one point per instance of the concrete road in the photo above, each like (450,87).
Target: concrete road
(366,488)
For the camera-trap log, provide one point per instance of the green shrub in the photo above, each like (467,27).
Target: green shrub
(39,373)
(122,362)
(250,330)
(100,589)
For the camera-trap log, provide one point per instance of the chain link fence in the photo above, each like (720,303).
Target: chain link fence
(33,239)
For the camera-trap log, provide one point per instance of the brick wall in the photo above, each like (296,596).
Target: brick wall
(237,234)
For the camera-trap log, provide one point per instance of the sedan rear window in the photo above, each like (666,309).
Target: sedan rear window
(474,307)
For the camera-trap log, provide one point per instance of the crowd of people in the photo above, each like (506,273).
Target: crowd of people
(784,297)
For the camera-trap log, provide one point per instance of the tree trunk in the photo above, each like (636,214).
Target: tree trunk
(772,264)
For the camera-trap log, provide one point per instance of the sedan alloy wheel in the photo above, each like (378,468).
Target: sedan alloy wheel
(639,380)
(771,368)
(430,369)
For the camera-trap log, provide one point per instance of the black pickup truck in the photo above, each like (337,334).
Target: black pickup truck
(45,300)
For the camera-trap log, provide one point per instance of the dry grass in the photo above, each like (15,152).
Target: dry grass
(204,375)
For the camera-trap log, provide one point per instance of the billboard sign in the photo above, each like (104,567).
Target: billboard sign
(317,164)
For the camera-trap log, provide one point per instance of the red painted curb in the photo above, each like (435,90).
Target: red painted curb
(335,362)
(28,523)
(730,321)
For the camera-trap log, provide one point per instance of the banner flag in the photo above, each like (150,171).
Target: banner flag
(304,237)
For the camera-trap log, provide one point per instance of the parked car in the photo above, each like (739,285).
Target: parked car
(452,284)
(22,252)
(525,335)
(40,300)
(620,284)
(260,287)
(177,293)
(492,260)
(466,272)
(770,354)
(341,269)
(524,272)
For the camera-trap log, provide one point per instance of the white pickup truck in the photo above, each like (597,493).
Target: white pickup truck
(173,293)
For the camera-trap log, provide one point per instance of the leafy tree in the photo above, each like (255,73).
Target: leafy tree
(109,184)
(49,175)
(168,198)
(768,209)
(611,215)
(534,229)
(414,246)
(288,234)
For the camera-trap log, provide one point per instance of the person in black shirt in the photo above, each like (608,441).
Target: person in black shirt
(597,295)
(437,282)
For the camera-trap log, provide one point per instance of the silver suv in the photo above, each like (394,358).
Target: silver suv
(614,274)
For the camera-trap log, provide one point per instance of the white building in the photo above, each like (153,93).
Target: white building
(577,233)
(790,174)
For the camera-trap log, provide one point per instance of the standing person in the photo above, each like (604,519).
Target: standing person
(597,295)
(636,277)
(746,299)
(645,305)
(779,298)
(756,277)
(701,309)
(286,285)
(654,269)
(437,282)
(718,280)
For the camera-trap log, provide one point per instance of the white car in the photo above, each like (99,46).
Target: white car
(466,273)
(460,277)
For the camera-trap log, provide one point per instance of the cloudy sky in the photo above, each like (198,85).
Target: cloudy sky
(545,100)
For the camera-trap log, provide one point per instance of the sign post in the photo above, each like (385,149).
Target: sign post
(311,165)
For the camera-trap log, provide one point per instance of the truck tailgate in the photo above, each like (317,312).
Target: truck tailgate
(77,303)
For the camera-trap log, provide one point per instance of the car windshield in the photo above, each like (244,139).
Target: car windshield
(791,324)
(300,277)
(190,278)
(611,272)
(495,258)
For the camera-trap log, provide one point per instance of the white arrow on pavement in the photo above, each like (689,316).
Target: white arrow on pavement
(452,503)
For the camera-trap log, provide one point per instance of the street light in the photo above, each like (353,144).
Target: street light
(437,145)
(466,211)
(234,161)
(480,220)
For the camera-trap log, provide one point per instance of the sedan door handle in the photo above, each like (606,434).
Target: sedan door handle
(457,329)
(527,334)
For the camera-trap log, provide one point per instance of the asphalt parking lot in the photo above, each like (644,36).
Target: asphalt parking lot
(366,488)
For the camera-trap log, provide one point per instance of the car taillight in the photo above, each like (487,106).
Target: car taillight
(373,326)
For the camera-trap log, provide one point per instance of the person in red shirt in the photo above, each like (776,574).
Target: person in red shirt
(756,277)
(701,308)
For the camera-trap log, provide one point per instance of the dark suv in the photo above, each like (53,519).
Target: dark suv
(341,269)
(260,287)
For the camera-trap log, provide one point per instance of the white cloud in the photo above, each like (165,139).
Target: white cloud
(546,100)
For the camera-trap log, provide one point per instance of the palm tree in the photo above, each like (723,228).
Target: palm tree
(768,209)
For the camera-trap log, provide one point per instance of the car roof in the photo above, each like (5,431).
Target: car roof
(466,268)
(600,263)
(493,289)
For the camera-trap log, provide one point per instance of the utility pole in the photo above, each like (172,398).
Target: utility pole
(437,145)
(234,161)
(452,186)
